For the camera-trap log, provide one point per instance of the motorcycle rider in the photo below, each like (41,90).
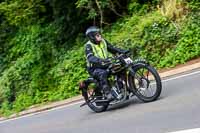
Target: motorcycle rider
(97,54)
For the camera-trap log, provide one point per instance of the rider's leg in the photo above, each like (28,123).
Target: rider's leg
(102,75)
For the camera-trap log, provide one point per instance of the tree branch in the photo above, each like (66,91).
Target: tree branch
(101,13)
(112,7)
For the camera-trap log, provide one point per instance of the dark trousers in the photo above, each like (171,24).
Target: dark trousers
(102,76)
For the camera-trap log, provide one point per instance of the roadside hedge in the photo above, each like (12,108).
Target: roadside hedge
(37,66)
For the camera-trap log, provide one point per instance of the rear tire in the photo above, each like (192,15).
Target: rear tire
(140,82)
(92,105)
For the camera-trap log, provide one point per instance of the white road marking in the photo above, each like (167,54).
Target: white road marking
(195,130)
(64,106)
(181,76)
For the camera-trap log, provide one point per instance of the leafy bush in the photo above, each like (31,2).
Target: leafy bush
(38,71)
(21,12)
(161,42)
(194,5)
(188,46)
(27,63)
(153,33)
(42,53)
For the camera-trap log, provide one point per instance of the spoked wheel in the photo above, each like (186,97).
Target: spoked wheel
(146,83)
(94,100)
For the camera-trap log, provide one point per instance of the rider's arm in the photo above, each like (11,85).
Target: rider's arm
(113,49)
(98,62)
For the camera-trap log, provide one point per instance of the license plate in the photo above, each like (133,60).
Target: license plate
(128,60)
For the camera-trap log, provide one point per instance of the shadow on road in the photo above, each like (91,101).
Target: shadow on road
(132,101)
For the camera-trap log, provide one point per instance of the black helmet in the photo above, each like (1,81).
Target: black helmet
(91,32)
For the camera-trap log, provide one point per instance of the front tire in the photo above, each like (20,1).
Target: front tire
(144,79)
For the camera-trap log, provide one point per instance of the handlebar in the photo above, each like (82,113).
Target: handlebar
(121,56)
(118,61)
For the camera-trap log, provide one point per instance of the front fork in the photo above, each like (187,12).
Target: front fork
(131,72)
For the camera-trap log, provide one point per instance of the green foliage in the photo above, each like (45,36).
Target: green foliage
(69,20)
(68,73)
(38,71)
(194,4)
(135,7)
(6,109)
(103,11)
(160,40)
(188,46)
(27,62)
(18,12)
(141,6)
(153,33)
(42,45)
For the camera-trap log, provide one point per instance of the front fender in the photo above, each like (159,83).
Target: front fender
(137,63)
(132,70)
(140,61)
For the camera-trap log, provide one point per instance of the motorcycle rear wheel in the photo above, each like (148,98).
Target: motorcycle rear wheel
(90,96)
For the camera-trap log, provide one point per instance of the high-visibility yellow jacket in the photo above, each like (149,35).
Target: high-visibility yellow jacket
(96,54)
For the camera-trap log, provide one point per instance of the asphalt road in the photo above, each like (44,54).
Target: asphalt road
(177,109)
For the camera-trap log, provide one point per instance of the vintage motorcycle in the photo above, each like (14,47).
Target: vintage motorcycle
(127,78)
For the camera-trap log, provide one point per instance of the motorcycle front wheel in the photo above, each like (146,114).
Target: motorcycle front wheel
(145,83)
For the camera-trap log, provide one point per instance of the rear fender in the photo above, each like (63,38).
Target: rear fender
(83,85)
(83,88)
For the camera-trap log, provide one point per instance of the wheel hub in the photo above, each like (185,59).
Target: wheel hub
(144,84)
